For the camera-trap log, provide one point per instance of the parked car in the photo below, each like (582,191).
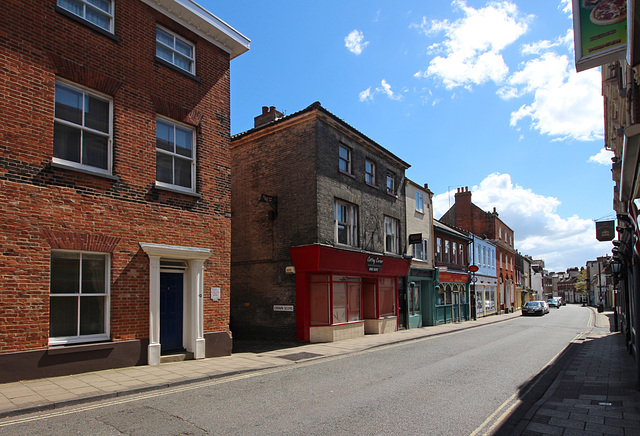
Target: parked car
(534,308)
(554,302)
(545,306)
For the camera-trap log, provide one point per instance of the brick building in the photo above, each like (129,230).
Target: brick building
(466,215)
(114,184)
(318,229)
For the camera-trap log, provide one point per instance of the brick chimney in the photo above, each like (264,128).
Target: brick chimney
(269,114)
(464,215)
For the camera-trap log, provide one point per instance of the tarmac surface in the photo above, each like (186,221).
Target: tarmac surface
(590,389)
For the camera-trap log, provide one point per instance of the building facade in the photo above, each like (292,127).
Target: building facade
(484,283)
(322,256)
(421,281)
(466,215)
(451,300)
(114,175)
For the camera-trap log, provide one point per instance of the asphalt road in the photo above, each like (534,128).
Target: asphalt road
(453,384)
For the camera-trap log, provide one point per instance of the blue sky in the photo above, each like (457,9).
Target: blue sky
(473,93)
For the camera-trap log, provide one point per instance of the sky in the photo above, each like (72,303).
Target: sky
(471,93)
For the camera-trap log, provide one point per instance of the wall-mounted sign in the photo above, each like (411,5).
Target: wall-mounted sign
(215,294)
(473,268)
(600,32)
(283,308)
(374,264)
(415,238)
(605,230)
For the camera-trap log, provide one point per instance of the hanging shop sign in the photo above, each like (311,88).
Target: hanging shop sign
(415,238)
(600,32)
(605,230)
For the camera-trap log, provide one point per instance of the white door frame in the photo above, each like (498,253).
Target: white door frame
(193,296)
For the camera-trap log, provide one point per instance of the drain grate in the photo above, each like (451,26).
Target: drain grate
(300,356)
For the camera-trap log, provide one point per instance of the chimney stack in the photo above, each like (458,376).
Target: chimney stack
(268,115)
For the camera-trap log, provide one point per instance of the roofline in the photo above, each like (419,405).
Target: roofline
(204,23)
(316,106)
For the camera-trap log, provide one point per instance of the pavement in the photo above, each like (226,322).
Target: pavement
(590,388)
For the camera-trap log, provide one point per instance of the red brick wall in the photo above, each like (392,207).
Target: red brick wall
(38,44)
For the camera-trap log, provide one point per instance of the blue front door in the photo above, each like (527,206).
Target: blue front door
(171,289)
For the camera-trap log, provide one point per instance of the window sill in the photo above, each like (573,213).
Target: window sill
(176,191)
(169,65)
(86,23)
(68,167)
(347,174)
(392,194)
(371,185)
(55,350)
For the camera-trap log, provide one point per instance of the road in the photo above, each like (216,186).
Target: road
(453,384)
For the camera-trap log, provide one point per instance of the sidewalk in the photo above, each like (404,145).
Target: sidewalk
(593,385)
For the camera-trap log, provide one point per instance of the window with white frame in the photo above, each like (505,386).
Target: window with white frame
(391,183)
(439,249)
(391,235)
(461,254)
(79,297)
(454,258)
(97,12)
(419,202)
(344,157)
(447,251)
(175,155)
(369,172)
(421,250)
(82,128)
(346,223)
(175,50)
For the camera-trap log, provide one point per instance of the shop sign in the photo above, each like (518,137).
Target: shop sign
(374,264)
(600,32)
(283,308)
(415,238)
(605,230)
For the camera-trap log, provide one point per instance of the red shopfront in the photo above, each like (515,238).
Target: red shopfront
(341,294)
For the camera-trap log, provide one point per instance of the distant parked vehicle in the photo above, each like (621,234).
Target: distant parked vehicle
(554,302)
(545,305)
(534,308)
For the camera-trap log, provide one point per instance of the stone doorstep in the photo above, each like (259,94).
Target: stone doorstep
(177,357)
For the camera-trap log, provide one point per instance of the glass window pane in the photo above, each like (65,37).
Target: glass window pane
(65,273)
(66,142)
(100,20)
(95,150)
(93,273)
(164,38)
(72,6)
(97,114)
(339,302)
(183,48)
(319,303)
(92,315)
(63,316)
(164,168)
(183,63)
(183,172)
(354,301)
(184,142)
(164,53)
(164,136)
(104,5)
(68,105)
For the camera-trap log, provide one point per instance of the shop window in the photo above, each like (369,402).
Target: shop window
(79,297)
(414,298)
(386,297)
(346,299)
(319,300)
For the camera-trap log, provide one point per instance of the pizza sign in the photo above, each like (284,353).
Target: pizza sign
(600,32)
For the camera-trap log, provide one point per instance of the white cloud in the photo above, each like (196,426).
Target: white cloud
(538,230)
(565,104)
(473,44)
(603,157)
(384,88)
(355,42)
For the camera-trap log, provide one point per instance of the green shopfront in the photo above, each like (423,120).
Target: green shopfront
(448,300)
(420,289)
